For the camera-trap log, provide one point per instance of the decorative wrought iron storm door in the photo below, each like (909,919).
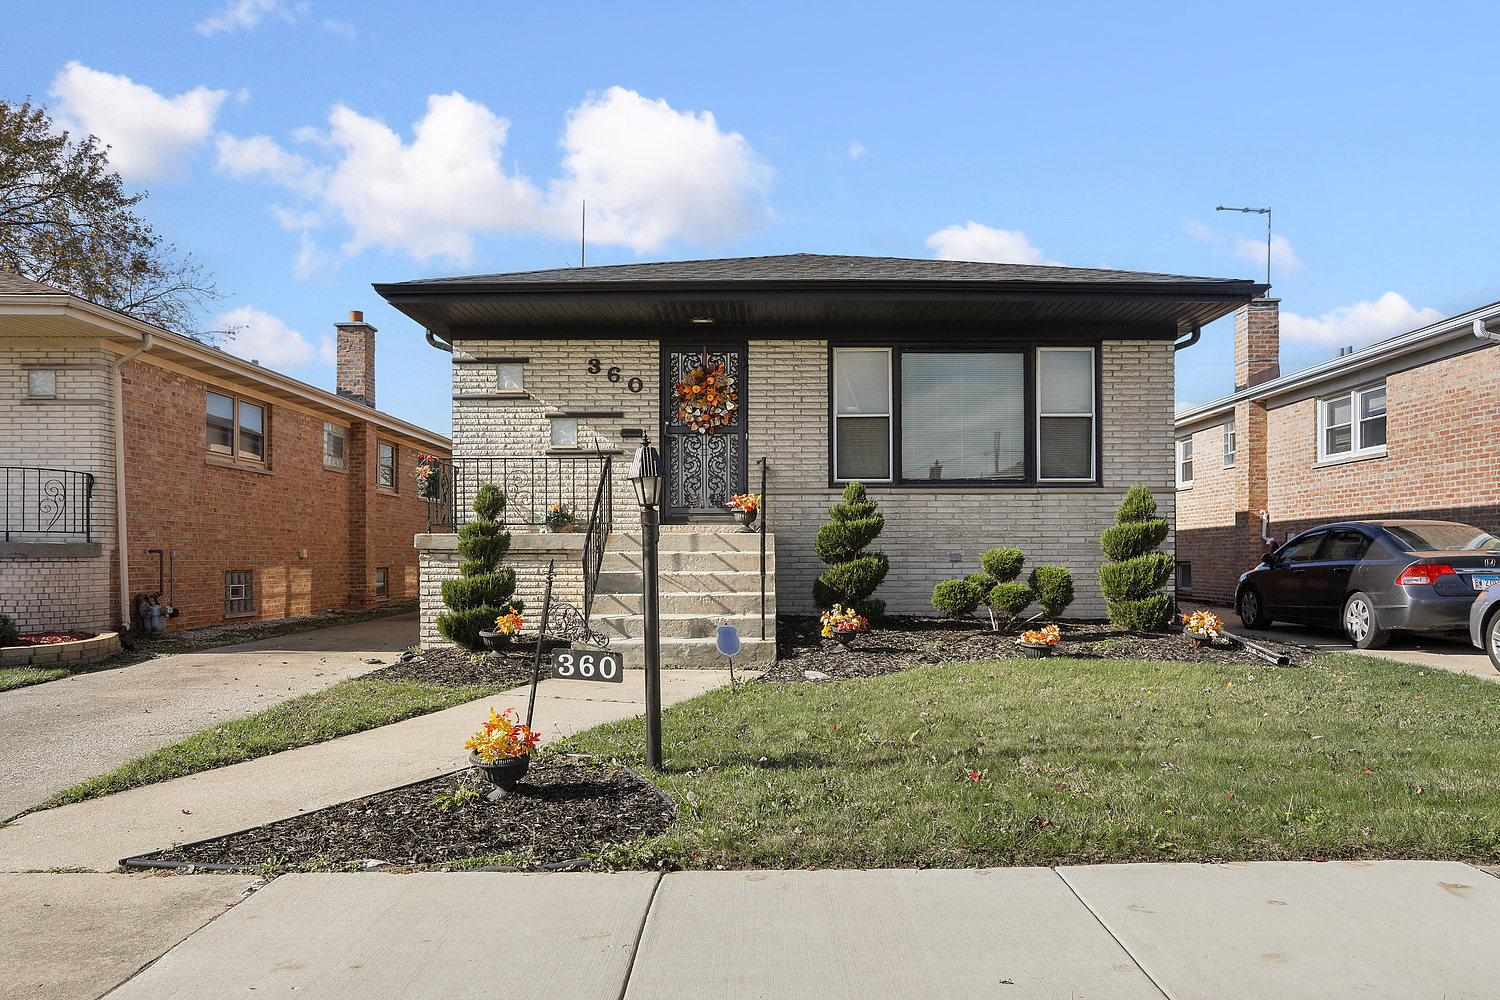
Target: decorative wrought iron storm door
(703,442)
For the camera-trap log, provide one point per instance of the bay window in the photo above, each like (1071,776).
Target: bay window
(916,417)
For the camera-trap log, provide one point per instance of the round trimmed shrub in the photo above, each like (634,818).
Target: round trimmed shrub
(8,631)
(957,598)
(1003,565)
(1054,589)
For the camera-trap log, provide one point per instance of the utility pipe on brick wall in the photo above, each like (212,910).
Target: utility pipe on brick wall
(121,538)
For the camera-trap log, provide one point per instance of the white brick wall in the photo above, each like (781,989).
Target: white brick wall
(787,417)
(73,432)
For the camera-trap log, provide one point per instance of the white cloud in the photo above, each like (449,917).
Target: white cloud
(149,135)
(1282,257)
(341,28)
(262,337)
(651,174)
(1199,231)
(259,154)
(1360,324)
(243,14)
(857,149)
(973,241)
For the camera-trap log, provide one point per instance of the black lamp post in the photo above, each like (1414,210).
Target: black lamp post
(646,477)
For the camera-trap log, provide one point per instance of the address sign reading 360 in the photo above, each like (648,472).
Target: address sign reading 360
(614,375)
(581,663)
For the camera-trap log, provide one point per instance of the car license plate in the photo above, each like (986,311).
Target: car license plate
(1484,582)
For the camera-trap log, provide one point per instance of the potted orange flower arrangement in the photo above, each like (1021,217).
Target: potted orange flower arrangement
(746,506)
(506,626)
(429,480)
(843,624)
(502,748)
(1037,643)
(1202,627)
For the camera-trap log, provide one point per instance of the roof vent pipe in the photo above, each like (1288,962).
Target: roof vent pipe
(1190,341)
(1483,331)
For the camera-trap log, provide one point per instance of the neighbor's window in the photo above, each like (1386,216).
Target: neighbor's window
(1065,413)
(1185,577)
(335,445)
(1352,423)
(1185,462)
(236,428)
(511,377)
(382,582)
(564,432)
(1229,443)
(862,414)
(386,465)
(239,592)
(41,383)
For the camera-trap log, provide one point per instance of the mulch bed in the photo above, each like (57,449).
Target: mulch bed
(564,809)
(47,638)
(900,642)
(568,809)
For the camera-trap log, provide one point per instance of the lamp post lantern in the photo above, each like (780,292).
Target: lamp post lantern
(646,477)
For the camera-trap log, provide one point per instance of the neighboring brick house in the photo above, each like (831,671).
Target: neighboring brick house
(247,494)
(1403,428)
(982,404)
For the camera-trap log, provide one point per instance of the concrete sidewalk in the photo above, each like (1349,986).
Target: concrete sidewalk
(1266,930)
(126,712)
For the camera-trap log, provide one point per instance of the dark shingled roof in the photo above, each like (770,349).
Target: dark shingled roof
(814,294)
(13,284)
(810,267)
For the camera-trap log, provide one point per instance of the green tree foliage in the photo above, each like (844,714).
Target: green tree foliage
(482,593)
(1051,586)
(1135,574)
(66,220)
(957,598)
(8,631)
(853,573)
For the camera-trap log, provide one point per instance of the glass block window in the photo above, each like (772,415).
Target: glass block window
(239,592)
(335,445)
(41,383)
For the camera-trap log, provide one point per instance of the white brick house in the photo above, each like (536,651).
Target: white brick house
(981,404)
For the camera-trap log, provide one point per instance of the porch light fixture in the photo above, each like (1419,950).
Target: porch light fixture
(645,475)
(701,319)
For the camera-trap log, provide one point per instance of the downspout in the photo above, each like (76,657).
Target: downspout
(122,545)
(440,345)
(1483,332)
(1265,527)
(1191,340)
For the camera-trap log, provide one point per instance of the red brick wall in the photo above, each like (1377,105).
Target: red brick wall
(219,519)
(1442,461)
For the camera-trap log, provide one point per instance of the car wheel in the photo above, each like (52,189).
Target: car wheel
(1360,624)
(1252,612)
(1492,639)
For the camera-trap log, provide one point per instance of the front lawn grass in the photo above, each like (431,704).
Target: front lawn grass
(16,677)
(350,706)
(1068,762)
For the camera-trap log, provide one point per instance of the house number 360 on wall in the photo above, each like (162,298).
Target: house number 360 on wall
(614,375)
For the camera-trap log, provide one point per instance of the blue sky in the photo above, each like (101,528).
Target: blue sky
(304,150)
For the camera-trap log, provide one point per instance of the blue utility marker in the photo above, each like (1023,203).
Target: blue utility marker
(729,640)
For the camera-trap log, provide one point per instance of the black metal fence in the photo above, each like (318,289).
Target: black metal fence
(532,487)
(53,505)
(601,522)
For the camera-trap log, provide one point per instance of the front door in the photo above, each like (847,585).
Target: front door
(703,429)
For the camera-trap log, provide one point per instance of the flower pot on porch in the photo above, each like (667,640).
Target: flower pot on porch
(505,773)
(746,519)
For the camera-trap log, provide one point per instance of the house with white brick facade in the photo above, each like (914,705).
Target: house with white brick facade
(139,467)
(981,404)
(1403,428)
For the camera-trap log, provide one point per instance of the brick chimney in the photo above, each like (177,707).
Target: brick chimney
(1257,343)
(356,359)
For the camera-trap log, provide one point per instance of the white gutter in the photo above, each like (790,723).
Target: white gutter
(1483,332)
(122,538)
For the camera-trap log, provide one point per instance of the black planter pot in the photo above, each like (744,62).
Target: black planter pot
(505,773)
(495,641)
(845,636)
(1035,650)
(746,519)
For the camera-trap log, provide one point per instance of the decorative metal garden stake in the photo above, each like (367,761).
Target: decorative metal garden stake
(646,477)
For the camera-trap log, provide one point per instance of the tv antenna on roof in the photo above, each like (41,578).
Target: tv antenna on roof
(583,234)
(1258,211)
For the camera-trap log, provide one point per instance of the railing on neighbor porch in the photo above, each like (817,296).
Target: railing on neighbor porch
(46,504)
(601,522)
(532,484)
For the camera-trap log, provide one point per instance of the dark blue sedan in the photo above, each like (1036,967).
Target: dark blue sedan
(1373,578)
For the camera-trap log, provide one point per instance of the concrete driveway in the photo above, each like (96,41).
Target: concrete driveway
(1441,652)
(54,735)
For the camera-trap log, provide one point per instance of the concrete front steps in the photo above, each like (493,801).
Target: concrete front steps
(707,579)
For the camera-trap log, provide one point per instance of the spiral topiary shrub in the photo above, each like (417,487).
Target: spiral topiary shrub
(483,593)
(1132,579)
(853,574)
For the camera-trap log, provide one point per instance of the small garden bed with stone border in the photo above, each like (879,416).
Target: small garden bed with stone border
(59,649)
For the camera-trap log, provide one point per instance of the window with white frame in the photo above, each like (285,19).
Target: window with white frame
(335,445)
(1352,424)
(966,416)
(1185,463)
(1229,443)
(236,428)
(1065,413)
(385,467)
(862,414)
